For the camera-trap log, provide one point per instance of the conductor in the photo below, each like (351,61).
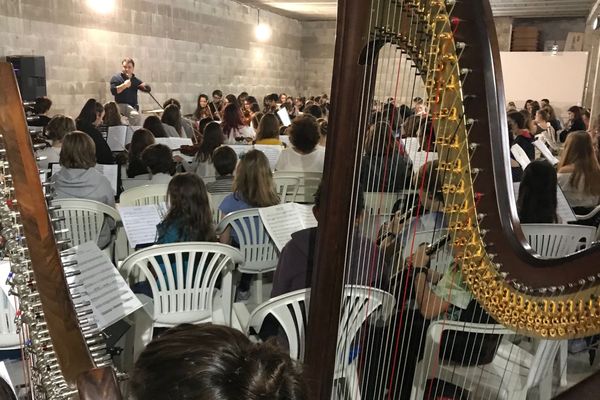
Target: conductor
(124,86)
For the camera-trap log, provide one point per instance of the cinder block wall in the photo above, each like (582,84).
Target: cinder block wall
(181,47)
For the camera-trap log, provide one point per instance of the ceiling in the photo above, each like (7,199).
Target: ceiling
(326,9)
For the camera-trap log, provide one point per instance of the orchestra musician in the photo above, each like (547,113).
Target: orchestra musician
(124,86)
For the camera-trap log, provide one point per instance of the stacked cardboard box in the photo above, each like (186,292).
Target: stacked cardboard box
(525,38)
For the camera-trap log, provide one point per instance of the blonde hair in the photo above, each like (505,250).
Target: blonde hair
(579,152)
(254,181)
(78,151)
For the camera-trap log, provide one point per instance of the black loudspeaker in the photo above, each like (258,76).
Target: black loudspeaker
(31,75)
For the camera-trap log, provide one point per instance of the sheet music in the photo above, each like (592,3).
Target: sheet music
(110,171)
(140,222)
(541,146)
(110,296)
(116,137)
(4,273)
(284,116)
(520,155)
(411,146)
(284,219)
(285,139)
(130,131)
(6,376)
(174,143)
(563,209)
(420,157)
(240,149)
(271,151)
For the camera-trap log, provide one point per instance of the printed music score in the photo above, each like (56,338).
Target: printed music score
(110,171)
(8,300)
(541,146)
(110,297)
(284,219)
(284,116)
(563,209)
(120,136)
(273,152)
(140,222)
(6,376)
(285,139)
(174,143)
(520,155)
(240,149)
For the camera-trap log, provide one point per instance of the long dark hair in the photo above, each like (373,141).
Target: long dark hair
(537,202)
(172,116)
(232,119)
(204,112)
(268,127)
(153,124)
(212,138)
(189,209)
(89,112)
(209,362)
(141,139)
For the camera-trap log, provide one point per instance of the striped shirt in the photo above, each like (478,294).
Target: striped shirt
(222,184)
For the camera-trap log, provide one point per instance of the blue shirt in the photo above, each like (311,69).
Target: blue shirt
(231,203)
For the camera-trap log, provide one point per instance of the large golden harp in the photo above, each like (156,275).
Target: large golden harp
(64,352)
(451,48)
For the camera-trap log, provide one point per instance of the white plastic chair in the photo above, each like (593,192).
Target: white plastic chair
(592,214)
(558,240)
(258,249)
(182,278)
(215,201)
(291,311)
(309,183)
(144,195)
(85,218)
(287,188)
(509,376)
(554,241)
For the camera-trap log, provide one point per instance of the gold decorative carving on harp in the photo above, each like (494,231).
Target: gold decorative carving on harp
(451,48)
(65,352)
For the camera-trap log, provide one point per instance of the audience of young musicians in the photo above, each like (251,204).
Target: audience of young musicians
(215,168)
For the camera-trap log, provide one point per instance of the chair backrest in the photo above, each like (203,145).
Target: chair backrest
(557,240)
(215,201)
(287,188)
(258,249)
(84,218)
(291,311)
(182,277)
(144,195)
(543,361)
(309,183)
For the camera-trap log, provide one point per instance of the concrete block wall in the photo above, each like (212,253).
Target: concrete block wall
(318,48)
(181,47)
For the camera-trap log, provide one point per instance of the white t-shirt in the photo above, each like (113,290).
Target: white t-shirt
(292,161)
(244,131)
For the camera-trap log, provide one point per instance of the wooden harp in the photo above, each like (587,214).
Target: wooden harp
(64,350)
(450,47)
